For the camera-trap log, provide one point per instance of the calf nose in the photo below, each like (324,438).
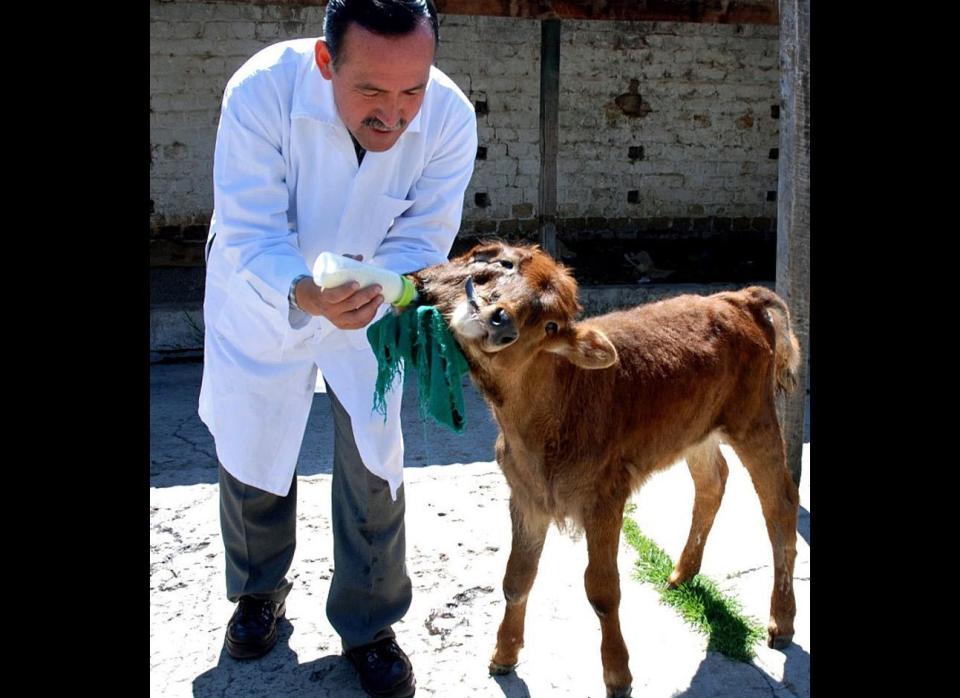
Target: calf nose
(507,337)
(502,331)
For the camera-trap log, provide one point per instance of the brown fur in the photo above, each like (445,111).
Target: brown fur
(589,412)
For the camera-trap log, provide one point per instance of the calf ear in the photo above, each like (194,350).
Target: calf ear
(588,348)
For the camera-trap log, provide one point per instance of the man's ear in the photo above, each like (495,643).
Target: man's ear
(587,348)
(323,58)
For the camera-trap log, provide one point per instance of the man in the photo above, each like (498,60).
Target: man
(355,144)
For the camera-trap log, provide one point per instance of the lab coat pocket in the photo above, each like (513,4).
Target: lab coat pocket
(388,209)
(251,325)
(297,341)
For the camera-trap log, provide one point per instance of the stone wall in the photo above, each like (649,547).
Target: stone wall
(194,49)
(665,128)
(667,124)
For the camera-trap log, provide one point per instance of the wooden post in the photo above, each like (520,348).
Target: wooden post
(793,208)
(549,131)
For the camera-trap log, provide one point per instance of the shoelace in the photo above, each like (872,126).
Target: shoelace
(248,606)
(391,649)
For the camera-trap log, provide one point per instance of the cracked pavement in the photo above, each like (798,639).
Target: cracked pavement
(458,540)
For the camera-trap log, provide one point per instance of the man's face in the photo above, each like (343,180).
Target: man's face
(379,83)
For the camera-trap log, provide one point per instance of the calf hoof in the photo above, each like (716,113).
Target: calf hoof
(778,640)
(497,669)
(675,579)
(680,575)
(619,692)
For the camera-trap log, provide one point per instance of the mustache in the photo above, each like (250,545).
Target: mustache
(376,123)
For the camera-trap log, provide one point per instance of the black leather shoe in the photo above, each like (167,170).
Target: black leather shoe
(385,671)
(252,630)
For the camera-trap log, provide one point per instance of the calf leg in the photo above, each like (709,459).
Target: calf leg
(602,582)
(529,532)
(709,471)
(763,454)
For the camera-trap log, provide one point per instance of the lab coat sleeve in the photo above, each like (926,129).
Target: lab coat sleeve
(251,197)
(424,234)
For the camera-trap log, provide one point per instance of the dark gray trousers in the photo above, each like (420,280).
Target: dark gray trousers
(370,589)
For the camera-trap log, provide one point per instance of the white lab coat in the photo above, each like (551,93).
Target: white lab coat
(286,188)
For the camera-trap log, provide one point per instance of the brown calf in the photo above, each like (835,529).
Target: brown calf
(589,410)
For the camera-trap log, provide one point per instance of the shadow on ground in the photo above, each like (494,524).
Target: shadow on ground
(182,449)
(803,524)
(280,673)
(796,671)
(512,685)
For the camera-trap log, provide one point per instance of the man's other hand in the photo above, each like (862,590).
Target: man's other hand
(348,307)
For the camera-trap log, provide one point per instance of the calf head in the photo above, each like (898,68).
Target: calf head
(508,304)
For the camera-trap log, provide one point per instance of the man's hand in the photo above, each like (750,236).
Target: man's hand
(348,307)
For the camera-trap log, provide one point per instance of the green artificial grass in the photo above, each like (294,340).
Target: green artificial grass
(699,600)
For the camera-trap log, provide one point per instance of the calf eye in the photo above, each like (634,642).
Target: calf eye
(506,264)
(551,328)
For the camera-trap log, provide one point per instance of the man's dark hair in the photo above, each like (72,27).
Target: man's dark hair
(387,17)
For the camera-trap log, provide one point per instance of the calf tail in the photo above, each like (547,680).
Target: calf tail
(787,349)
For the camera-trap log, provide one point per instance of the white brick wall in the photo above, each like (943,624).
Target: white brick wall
(194,49)
(706,141)
(497,60)
(701,156)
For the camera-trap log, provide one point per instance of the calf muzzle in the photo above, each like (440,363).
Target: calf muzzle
(500,329)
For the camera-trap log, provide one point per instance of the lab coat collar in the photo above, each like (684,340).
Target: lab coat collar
(313,98)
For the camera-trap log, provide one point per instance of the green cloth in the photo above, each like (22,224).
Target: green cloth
(421,338)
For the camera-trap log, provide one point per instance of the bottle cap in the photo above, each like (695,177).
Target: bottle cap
(408,294)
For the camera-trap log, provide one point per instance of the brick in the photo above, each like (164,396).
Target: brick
(722,224)
(761,224)
(528,167)
(505,166)
(529,151)
(195,233)
(218,11)
(268,31)
(169,232)
(250,13)
(524,210)
(292,29)
(659,224)
(175,151)
(182,30)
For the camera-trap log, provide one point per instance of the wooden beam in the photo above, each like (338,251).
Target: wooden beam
(707,11)
(549,131)
(793,207)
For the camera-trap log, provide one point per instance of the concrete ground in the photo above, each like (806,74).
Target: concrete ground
(458,539)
